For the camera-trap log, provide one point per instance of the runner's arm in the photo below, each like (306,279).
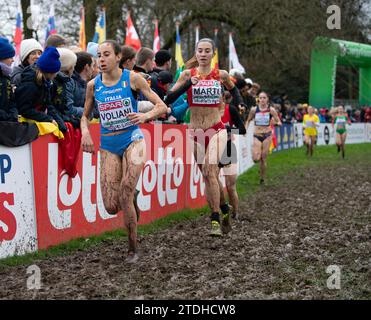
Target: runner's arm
(159,109)
(237,120)
(86,141)
(231,87)
(251,117)
(276,117)
(174,95)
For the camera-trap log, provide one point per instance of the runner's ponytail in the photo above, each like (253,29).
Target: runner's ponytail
(192,63)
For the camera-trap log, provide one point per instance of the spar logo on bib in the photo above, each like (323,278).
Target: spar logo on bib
(207,92)
(114,114)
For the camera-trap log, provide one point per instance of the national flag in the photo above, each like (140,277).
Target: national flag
(197,37)
(156,42)
(215,61)
(233,58)
(178,54)
(132,38)
(100,28)
(51,29)
(82,40)
(18,35)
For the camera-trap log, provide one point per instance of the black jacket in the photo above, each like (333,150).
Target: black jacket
(59,99)
(8,110)
(34,101)
(16,75)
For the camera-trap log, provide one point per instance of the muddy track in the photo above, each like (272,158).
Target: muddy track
(287,237)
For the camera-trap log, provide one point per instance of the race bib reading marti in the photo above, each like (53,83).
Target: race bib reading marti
(207,92)
(114,114)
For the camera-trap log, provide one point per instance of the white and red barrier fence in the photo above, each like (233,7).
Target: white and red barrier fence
(40,206)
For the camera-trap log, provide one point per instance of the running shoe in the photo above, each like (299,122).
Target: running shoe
(132,258)
(235,216)
(226,224)
(216,230)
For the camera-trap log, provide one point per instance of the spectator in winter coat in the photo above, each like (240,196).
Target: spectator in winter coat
(76,89)
(33,95)
(63,84)
(31,50)
(8,110)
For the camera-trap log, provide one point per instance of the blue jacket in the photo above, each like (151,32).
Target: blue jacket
(179,108)
(75,95)
(33,100)
(59,98)
(8,110)
(16,76)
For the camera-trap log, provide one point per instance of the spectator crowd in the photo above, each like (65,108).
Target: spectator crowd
(48,85)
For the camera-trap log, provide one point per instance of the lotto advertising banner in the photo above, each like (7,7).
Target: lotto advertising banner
(17,216)
(68,208)
(164,182)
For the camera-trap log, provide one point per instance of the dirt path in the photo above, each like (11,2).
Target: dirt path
(287,238)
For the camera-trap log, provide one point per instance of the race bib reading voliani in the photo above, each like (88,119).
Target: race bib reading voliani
(114,115)
(207,92)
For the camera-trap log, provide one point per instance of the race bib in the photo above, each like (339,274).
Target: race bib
(310,124)
(340,124)
(114,115)
(207,92)
(262,119)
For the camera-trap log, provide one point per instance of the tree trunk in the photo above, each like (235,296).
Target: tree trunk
(113,17)
(90,18)
(26,13)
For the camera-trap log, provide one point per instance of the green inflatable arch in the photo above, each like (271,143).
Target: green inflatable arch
(326,55)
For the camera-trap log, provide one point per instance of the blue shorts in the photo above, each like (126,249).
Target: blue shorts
(120,143)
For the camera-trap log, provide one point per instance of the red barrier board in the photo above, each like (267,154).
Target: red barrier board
(69,208)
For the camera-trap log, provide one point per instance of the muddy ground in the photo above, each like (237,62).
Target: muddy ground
(287,237)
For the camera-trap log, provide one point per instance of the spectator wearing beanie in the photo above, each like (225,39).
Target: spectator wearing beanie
(33,95)
(76,89)
(64,83)
(8,110)
(30,51)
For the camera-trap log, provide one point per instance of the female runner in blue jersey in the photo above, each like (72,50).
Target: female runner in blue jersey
(122,146)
